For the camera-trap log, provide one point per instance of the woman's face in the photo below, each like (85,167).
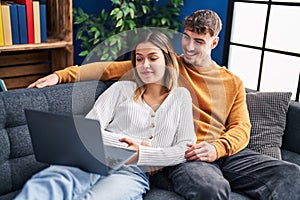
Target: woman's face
(150,63)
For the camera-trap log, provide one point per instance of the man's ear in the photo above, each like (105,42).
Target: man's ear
(215,42)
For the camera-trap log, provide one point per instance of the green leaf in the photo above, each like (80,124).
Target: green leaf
(131,5)
(119,15)
(93,29)
(113,41)
(124,4)
(78,35)
(84,38)
(131,11)
(80,11)
(74,11)
(104,56)
(153,21)
(126,11)
(122,28)
(105,50)
(96,41)
(78,21)
(103,13)
(120,23)
(118,2)
(84,53)
(163,21)
(115,11)
(119,44)
(86,16)
(131,24)
(144,8)
(97,34)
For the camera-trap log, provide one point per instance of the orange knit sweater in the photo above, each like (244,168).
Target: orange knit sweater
(219,101)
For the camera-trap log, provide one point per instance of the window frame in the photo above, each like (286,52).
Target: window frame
(263,49)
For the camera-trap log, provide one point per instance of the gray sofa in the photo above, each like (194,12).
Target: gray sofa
(17,162)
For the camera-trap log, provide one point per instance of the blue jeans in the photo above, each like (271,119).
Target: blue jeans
(62,182)
(247,172)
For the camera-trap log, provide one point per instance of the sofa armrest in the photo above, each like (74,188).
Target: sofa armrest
(291,137)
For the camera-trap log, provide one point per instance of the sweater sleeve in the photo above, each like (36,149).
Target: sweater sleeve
(149,156)
(238,127)
(95,71)
(104,110)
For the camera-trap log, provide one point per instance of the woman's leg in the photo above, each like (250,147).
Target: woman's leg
(58,182)
(130,182)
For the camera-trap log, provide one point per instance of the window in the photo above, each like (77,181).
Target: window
(262,44)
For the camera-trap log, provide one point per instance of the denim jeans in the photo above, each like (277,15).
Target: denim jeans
(62,182)
(247,172)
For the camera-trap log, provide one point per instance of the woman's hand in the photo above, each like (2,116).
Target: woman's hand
(49,80)
(131,145)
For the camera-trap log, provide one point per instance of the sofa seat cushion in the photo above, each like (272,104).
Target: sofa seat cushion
(290,156)
(10,195)
(238,196)
(161,194)
(267,111)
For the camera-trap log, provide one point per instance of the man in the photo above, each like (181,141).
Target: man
(220,161)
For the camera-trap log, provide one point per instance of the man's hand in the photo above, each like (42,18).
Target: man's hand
(201,152)
(49,80)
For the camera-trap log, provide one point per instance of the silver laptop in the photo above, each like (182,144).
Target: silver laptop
(73,141)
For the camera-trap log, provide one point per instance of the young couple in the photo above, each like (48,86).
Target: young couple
(219,161)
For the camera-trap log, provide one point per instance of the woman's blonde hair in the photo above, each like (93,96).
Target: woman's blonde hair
(161,41)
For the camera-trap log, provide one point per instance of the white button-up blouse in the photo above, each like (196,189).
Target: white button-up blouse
(167,130)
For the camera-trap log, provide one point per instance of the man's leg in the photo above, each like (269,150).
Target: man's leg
(199,180)
(262,177)
(128,183)
(58,182)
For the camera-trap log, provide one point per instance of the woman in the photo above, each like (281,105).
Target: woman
(150,115)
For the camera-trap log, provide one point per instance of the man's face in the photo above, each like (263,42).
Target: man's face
(197,47)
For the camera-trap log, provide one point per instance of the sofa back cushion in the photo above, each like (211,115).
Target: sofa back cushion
(17,162)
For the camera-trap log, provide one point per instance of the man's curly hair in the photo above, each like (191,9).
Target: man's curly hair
(203,21)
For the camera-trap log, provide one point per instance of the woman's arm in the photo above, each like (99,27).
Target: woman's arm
(185,134)
(104,110)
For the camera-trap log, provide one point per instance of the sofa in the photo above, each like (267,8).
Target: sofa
(18,163)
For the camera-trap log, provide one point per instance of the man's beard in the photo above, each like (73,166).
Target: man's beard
(198,60)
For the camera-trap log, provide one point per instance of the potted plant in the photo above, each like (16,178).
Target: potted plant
(125,15)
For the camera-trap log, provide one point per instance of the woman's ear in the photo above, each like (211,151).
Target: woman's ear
(215,42)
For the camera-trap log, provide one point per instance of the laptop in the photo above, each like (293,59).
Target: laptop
(73,141)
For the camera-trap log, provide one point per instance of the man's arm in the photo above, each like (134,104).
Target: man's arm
(238,127)
(92,71)
(235,138)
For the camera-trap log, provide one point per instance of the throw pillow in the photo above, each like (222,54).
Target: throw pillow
(267,111)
